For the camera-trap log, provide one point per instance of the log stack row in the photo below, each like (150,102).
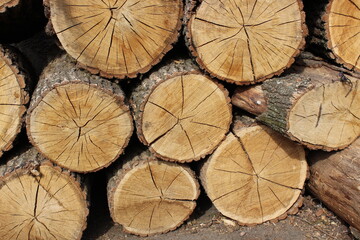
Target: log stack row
(79,119)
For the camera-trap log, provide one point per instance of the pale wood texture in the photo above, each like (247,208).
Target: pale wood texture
(245,42)
(318,106)
(255,175)
(335,181)
(14,96)
(180,113)
(117,38)
(78,120)
(39,200)
(147,196)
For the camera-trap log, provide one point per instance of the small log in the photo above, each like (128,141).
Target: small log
(116,38)
(19,19)
(39,200)
(317,106)
(147,196)
(14,95)
(255,175)
(78,120)
(245,42)
(180,113)
(335,181)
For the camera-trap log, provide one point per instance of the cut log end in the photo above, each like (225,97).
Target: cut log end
(255,176)
(245,42)
(42,203)
(117,38)
(153,197)
(185,118)
(80,127)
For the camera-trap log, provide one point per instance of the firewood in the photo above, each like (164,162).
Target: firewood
(19,19)
(78,120)
(147,196)
(116,38)
(317,106)
(39,200)
(14,95)
(244,42)
(255,175)
(334,180)
(180,113)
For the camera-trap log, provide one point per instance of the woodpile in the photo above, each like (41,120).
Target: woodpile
(96,86)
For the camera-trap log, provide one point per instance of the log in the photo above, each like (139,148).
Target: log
(180,113)
(39,200)
(316,106)
(334,180)
(116,38)
(245,42)
(20,19)
(147,196)
(333,30)
(255,175)
(15,79)
(78,120)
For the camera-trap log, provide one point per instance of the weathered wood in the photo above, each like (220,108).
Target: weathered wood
(116,38)
(180,113)
(316,106)
(147,196)
(78,120)
(244,42)
(335,181)
(255,175)
(39,200)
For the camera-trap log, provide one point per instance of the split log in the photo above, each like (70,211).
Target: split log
(317,106)
(78,120)
(39,200)
(335,180)
(244,42)
(255,175)
(19,19)
(333,26)
(147,196)
(180,113)
(116,38)
(14,95)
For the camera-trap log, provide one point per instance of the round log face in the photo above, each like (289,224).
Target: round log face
(328,115)
(154,197)
(117,38)
(80,127)
(46,205)
(12,101)
(343,31)
(247,41)
(186,117)
(255,176)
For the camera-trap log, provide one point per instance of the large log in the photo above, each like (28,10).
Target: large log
(316,106)
(244,42)
(78,120)
(15,80)
(335,181)
(255,175)
(39,200)
(180,113)
(147,196)
(116,38)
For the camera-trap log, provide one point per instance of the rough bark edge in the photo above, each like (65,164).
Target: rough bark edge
(171,41)
(119,101)
(9,4)
(139,160)
(15,61)
(139,121)
(197,59)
